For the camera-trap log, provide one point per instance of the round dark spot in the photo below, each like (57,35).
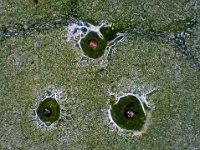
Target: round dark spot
(93,44)
(129,113)
(36,1)
(47,112)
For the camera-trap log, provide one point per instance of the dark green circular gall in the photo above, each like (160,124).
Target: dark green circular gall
(48,111)
(128,113)
(92,45)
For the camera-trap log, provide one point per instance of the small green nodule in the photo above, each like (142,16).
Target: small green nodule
(128,113)
(93,46)
(48,111)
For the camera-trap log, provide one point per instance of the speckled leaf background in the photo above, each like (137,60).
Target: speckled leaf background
(161,49)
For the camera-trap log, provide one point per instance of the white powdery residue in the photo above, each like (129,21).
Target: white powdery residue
(76,30)
(120,38)
(134,91)
(184,34)
(54,92)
